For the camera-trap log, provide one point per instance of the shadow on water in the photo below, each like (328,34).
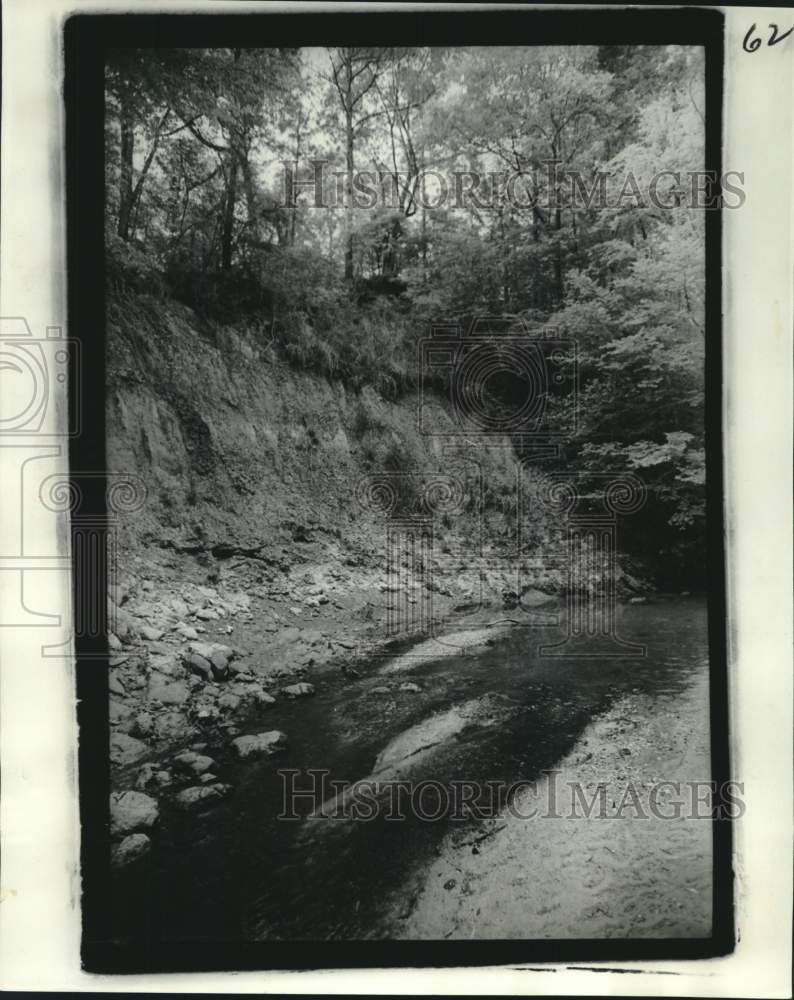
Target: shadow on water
(238,873)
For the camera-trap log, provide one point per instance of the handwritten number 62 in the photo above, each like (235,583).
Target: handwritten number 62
(750,44)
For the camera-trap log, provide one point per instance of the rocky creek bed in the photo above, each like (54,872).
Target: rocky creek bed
(216,687)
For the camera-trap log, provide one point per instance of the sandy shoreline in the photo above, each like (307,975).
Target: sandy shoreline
(579,877)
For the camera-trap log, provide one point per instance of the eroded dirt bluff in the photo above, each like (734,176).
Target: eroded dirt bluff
(254,534)
(240,450)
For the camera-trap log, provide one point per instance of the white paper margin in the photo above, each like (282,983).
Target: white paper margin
(39,900)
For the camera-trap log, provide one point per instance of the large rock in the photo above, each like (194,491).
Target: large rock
(229,702)
(148,632)
(201,795)
(167,662)
(209,649)
(118,711)
(187,631)
(115,686)
(144,724)
(169,693)
(195,762)
(173,726)
(300,690)
(131,849)
(179,606)
(200,665)
(262,744)
(150,776)
(130,811)
(126,749)
(122,623)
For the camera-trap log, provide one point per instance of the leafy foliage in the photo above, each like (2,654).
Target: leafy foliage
(200,205)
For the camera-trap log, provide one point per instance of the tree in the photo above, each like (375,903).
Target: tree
(354,72)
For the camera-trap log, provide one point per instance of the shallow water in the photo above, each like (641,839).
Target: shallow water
(238,873)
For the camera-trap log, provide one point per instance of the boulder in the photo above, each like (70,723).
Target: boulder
(122,624)
(131,849)
(151,633)
(166,662)
(179,607)
(187,631)
(229,702)
(190,760)
(172,726)
(199,665)
(210,649)
(113,642)
(143,724)
(150,776)
(118,711)
(130,811)
(300,690)
(260,744)
(169,693)
(207,614)
(115,686)
(126,749)
(201,795)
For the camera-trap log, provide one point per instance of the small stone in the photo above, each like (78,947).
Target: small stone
(208,778)
(300,690)
(118,711)
(131,849)
(200,666)
(412,688)
(195,762)
(638,600)
(186,630)
(380,690)
(143,724)
(200,795)
(114,642)
(150,776)
(207,614)
(180,607)
(131,811)
(148,632)
(262,743)
(450,884)
(160,690)
(125,749)
(229,702)
(115,686)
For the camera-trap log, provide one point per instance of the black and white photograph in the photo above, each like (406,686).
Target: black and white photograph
(391,454)
(409,563)
(408,614)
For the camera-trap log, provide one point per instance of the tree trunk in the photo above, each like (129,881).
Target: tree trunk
(349,186)
(228,215)
(125,177)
